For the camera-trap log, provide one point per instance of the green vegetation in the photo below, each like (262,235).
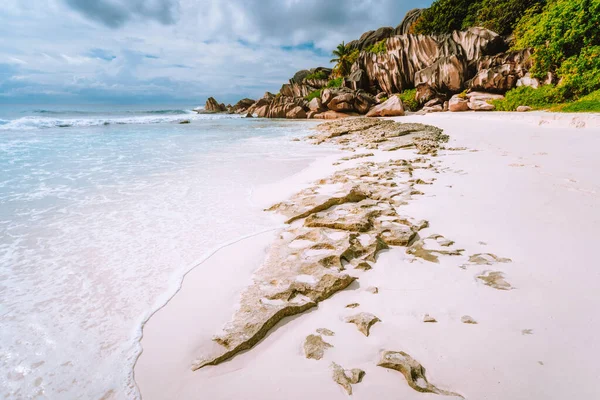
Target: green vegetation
(589,103)
(563,34)
(565,38)
(540,98)
(318,75)
(313,94)
(343,59)
(500,16)
(377,48)
(335,83)
(408,98)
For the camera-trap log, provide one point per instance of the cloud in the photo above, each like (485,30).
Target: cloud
(115,13)
(192,49)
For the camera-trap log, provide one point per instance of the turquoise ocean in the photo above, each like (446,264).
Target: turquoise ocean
(102,211)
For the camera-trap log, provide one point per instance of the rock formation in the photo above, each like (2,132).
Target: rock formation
(213,106)
(412,370)
(437,66)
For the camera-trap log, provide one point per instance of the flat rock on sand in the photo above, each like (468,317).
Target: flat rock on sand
(329,229)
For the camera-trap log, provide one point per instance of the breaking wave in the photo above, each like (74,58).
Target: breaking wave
(161,116)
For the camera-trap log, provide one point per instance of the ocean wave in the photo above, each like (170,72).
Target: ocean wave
(134,112)
(3,121)
(34,122)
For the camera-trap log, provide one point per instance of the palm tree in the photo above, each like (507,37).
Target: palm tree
(342,54)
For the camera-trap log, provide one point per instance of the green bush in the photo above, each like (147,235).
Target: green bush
(543,97)
(444,16)
(500,16)
(408,98)
(589,103)
(565,37)
(313,94)
(377,48)
(318,75)
(580,74)
(335,83)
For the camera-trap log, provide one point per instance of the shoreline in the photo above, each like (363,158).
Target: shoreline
(260,357)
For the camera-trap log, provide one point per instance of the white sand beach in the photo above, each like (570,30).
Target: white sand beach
(520,193)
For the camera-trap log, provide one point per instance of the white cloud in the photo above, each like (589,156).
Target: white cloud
(186,49)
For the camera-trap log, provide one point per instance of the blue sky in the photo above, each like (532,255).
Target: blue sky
(161,51)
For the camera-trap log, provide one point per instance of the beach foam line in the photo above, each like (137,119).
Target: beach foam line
(33,122)
(162,303)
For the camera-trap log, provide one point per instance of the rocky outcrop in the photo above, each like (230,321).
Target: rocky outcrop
(242,106)
(346,377)
(213,105)
(409,20)
(392,107)
(501,72)
(412,370)
(443,61)
(372,37)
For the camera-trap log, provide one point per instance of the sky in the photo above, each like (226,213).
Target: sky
(163,51)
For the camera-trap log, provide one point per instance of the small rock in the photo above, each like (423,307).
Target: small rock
(249,115)
(353,305)
(412,370)
(392,107)
(363,321)
(466,319)
(523,108)
(325,332)
(315,346)
(494,279)
(347,377)
(365,266)
(185,121)
(527,332)
(428,318)
(372,289)
(458,104)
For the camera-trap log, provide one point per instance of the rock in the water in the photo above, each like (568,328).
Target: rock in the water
(346,377)
(392,107)
(243,105)
(429,318)
(467,319)
(213,105)
(363,321)
(523,109)
(185,121)
(494,279)
(315,346)
(353,305)
(372,290)
(412,370)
